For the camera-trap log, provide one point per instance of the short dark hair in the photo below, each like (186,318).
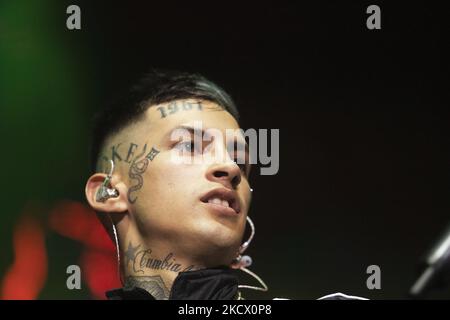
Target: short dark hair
(156,87)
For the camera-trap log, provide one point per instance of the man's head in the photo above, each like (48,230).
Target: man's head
(194,209)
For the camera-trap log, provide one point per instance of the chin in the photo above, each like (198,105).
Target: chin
(216,239)
(225,242)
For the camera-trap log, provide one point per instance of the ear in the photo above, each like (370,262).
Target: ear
(112,205)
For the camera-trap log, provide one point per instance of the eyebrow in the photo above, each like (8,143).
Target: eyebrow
(190,129)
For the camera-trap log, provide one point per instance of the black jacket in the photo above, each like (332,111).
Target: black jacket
(205,284)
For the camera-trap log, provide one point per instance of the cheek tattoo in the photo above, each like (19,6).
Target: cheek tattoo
(137,169)
(138,164)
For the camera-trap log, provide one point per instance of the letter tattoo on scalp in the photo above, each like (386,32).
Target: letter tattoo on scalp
(137,168)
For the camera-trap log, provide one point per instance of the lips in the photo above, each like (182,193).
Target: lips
(222,198)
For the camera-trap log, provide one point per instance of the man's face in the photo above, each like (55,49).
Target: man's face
(198,207)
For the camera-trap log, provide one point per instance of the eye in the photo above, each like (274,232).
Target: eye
(187,146)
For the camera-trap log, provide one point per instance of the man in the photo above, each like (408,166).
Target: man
(178,225)
(177,217)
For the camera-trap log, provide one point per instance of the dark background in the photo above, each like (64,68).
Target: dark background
(363,117)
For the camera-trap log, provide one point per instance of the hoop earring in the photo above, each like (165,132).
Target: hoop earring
(242,262)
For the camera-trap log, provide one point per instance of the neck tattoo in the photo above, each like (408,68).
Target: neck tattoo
(142,260)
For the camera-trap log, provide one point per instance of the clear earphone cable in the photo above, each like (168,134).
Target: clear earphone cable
(116,239)
(264,287)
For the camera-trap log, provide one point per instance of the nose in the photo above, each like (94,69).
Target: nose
(225,172)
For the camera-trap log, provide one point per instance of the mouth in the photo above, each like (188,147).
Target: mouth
(222,199)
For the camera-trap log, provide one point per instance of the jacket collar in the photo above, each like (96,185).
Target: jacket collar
(205,284)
